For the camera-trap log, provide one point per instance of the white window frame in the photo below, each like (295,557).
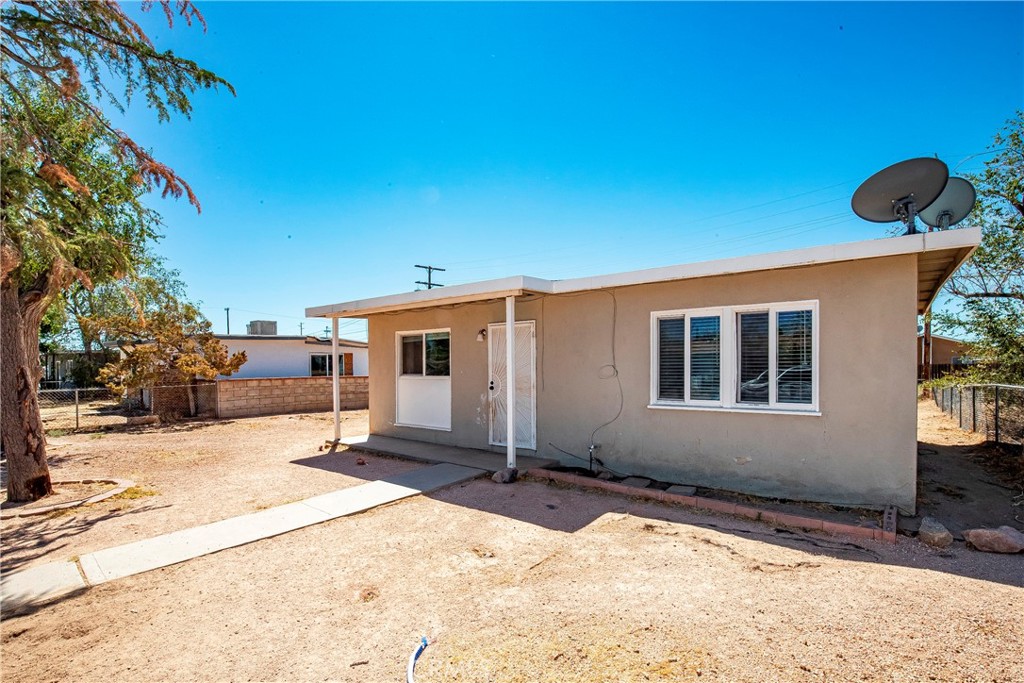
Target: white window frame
(422,379)
(729,359)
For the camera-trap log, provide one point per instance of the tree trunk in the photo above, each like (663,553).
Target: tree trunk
(21,427)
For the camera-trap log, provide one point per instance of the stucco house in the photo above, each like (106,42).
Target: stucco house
(943,351)
(294,356)
(735,374)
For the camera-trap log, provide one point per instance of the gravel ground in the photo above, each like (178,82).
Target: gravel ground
(530,582)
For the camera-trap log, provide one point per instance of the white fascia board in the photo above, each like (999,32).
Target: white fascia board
(832,253)
(520,284)
(472,291)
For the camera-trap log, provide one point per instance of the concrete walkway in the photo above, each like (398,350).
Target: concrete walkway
(45,582)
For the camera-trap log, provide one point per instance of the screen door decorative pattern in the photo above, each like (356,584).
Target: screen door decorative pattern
(526,373)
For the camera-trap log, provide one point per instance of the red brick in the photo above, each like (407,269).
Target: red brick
(716,505)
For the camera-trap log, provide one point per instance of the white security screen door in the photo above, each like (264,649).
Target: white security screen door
(526,384)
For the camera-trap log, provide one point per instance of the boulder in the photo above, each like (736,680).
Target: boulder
(934,534)
(1005,539)
(605,475)
(506,476)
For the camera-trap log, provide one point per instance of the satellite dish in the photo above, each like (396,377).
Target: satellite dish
(900,191)
(952,206)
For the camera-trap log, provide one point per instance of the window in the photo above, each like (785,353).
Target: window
(426,354)
(320,364)
(753,358)
(738,357)
(689,353)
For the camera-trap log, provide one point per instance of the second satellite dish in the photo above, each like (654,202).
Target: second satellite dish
(952,206)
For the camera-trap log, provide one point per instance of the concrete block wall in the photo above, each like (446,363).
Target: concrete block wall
(279,395)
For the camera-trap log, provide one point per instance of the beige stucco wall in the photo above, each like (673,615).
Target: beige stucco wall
(861,450)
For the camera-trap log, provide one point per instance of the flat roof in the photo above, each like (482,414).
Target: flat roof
(939,253)
(289,337)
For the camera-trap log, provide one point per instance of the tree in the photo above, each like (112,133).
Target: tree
(989,288)
(86,309)
(70,207)
(172,344)
(75,319)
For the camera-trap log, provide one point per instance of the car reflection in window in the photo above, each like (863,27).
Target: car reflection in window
(794,386)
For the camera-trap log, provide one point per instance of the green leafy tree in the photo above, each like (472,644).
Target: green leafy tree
(989,289)
(70,208)
(170,345)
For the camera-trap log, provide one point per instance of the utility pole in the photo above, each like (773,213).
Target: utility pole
(430,284)
(227,311)
(300,328)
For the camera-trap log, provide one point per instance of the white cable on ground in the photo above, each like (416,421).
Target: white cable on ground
(412,660)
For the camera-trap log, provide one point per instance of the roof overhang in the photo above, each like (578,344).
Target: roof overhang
(939,254)
(519,285)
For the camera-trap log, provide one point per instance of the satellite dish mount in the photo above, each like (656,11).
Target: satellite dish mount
(906,211)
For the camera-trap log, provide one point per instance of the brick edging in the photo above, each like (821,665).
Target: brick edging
(768,516)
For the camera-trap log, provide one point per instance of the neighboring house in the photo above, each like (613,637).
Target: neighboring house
(744,374)
(69,369)
(294,356)
(944,351)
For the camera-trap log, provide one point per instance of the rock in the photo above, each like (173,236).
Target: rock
(934,534)
(1005,539)
(360,461)
(682,490)
(605,475)
(638,482)
(506,476)
(143,420)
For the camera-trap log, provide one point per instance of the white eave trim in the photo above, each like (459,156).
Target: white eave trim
(960,238)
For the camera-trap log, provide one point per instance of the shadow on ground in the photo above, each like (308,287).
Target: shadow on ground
(43,536)
(570,509)
(955,489)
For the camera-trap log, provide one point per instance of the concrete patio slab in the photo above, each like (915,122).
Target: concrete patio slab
(438,453)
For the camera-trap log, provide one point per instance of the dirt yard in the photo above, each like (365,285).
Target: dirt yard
(529,582)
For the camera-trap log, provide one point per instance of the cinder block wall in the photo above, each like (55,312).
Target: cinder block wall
(275,396)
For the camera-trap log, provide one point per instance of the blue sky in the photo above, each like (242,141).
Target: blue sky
(555,140)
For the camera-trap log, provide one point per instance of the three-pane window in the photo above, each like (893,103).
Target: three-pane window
(736,357)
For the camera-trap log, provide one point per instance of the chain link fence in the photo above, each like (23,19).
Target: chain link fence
(70,410)
(996,410)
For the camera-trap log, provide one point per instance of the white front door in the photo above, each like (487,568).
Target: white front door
(526,384)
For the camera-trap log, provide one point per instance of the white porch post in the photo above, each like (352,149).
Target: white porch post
(335,382)
(510,378)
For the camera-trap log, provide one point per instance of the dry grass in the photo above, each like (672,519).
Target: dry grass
(134,493)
